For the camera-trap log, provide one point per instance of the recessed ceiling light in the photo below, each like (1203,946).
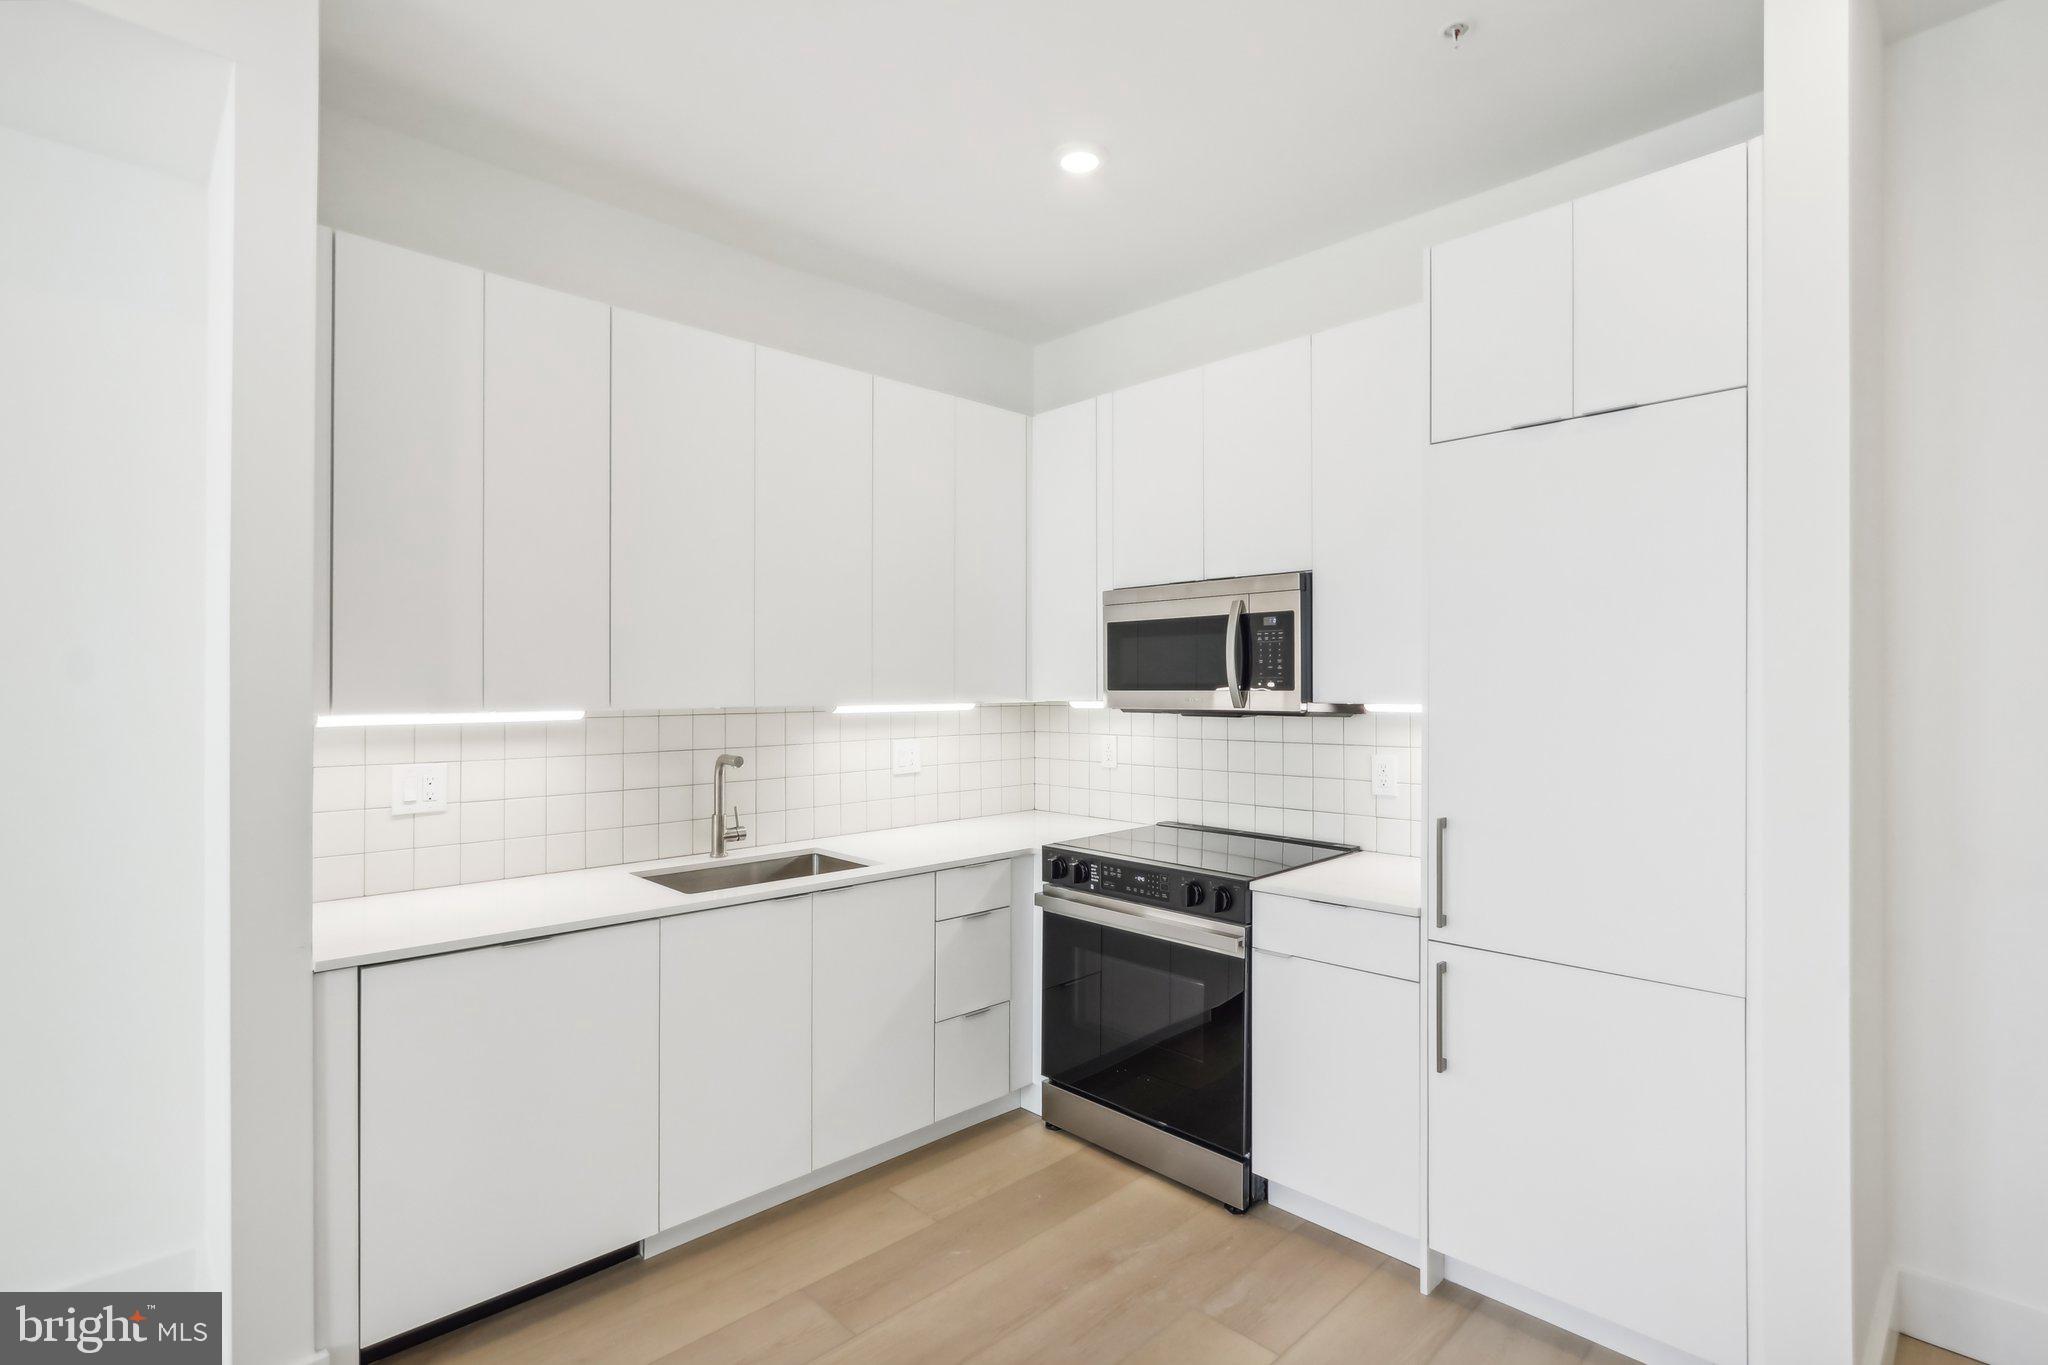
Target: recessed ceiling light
(1079,160)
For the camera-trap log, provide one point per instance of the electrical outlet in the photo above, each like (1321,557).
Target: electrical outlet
(417,788)
(1106,747)
(906,758)
(1388,770)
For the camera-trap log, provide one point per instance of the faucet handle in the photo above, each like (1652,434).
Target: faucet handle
(735,831)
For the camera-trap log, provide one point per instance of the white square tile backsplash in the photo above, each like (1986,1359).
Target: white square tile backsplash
(1307,776)
(627,788)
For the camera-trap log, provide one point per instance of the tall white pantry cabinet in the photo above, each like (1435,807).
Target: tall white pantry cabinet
(1586,586)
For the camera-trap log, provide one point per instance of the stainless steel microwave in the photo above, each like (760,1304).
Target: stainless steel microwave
(1236,646)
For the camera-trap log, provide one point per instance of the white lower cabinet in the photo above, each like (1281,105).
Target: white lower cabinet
(1586,1142)
(973,955)
(971,1060)
(735,1054)
(508,1118)
(871,1015)
(1336,1092)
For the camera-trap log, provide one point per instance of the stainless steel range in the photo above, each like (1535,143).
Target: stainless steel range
(1145,992)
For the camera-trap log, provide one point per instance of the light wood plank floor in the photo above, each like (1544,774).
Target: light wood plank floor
(1913,1351)
(1009,1242)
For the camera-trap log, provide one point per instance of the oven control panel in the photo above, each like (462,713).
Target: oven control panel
(1272,649)
(1191,893)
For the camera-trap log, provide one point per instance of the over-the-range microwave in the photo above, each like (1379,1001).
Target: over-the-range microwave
(1234,646)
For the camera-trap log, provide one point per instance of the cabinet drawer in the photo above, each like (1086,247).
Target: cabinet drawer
(965,890)
(974,962)
(1366,940)
(971,1060)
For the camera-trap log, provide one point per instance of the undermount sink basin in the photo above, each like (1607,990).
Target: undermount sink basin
(724,876)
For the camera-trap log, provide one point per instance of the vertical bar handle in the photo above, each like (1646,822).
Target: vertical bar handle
(1441,822)
(1233,629)
(1443,1063)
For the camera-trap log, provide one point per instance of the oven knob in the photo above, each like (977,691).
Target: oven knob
(1081,871)
(1222,902)
(1059,868)
(1194,893)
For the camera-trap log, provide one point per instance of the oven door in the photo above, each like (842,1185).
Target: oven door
(1145,1011)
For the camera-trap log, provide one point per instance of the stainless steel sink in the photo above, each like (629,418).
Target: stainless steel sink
(723,876)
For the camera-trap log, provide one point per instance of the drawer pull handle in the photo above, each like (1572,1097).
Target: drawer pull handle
(979,914)
(976,1014)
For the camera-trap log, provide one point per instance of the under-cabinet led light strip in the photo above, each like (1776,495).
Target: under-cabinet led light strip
(897,708)
(444,718)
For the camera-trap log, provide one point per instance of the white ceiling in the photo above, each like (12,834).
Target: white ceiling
(906,146)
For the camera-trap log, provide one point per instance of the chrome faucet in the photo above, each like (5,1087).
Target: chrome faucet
(722,833)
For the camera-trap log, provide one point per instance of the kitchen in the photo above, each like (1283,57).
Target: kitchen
(1298,778)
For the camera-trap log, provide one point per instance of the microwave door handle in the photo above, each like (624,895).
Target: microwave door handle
(1232,630)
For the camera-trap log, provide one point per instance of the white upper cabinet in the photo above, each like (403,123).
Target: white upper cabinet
(682,508)
(1590,574)
(913,531)
(1066,596)
(323,476)
(1586,1142)
(408,481)
(1661,269)
(1255,462)
(1501,327)
(1371,435)
(814,550)
(988,553)
(547,499)
(1157,513)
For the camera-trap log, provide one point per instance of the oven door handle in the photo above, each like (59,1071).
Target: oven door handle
(1146,923)
(1233,630)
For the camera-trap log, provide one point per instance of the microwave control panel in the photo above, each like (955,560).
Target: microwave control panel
(1272,650)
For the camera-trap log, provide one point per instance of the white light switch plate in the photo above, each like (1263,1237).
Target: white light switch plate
(417,788)
(906,758)
(1387,772)
(1106,746)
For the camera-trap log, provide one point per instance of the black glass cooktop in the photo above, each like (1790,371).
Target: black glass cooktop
(1214,852)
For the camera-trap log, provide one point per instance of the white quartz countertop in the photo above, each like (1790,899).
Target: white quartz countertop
(369,929)
(1367,881)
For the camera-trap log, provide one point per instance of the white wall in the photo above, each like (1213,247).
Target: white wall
(1816,1236)
(261,595)
(1355,278)
(105,527)
(395,188)
(1966,484)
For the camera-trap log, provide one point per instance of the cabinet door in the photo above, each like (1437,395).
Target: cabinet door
(1157,536)
(1336,1112)
(547,499)
(508,1118)
(1371,432)
(813,520)
(408,481)
(1586,657)
(1066,598)
(988,554)
(682,516)
(871,1015)
(1660,282)
(1255,462)
(1500,327)
(914,532)
(1586,1142)
(735,1054)
(973,962)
